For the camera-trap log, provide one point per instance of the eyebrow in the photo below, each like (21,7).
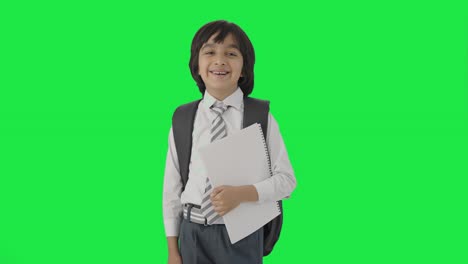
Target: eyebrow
(209,45)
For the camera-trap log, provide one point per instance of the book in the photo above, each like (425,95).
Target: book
(241,159)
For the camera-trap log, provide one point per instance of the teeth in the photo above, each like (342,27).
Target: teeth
(219,73)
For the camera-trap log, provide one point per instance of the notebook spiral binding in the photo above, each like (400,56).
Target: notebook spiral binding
(267,154)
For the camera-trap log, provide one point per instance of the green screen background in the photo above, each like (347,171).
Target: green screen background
(370,97)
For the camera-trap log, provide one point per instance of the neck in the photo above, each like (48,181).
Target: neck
(221,94)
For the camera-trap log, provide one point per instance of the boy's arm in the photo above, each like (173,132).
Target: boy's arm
(283,181)
(172,189)
(173,248)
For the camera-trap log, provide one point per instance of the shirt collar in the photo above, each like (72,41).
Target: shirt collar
(235,99)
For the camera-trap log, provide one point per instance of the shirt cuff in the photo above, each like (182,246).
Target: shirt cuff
(172,226)
(264,190)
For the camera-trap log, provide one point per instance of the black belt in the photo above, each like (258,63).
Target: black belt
(193,205)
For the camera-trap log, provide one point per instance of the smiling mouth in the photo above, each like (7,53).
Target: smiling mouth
(219,72)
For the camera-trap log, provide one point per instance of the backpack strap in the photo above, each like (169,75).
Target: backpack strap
(182,127)
(256,110)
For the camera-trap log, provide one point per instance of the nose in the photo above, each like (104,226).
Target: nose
(219,60)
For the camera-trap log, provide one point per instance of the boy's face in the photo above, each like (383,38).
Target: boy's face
(220,65)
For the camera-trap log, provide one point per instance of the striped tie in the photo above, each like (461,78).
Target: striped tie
(218,131)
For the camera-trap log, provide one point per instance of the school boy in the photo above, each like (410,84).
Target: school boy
(221,62)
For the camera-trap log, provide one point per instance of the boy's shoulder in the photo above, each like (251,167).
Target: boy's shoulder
(256,100)
(188,105)
(256,105)
(181,111)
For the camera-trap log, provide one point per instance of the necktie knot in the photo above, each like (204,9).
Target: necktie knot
(219,107)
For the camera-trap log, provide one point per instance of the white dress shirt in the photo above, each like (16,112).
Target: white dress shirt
(275,188)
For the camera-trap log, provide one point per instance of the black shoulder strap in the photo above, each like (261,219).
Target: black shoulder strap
(256,111)
(182,127)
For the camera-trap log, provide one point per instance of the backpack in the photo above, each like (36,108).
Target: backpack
(255,111)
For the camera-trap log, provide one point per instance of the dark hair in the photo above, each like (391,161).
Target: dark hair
(224,27)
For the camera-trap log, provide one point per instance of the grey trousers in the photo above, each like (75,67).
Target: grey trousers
(201,244)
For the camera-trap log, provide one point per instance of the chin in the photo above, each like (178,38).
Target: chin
(222,87)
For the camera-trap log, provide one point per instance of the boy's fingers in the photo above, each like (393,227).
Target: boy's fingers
(216,197)
(213,194)
(216,191)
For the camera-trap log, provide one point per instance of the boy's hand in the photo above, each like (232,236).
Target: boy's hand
(173,250)
(225,198)
(174,259)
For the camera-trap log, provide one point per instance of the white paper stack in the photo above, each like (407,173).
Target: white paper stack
(241,159)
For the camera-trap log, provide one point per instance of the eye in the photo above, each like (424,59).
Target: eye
(232,54)
(209,52)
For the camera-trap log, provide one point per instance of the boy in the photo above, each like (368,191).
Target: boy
(222,61)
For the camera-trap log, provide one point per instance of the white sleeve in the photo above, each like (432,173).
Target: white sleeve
(283,181)
(172,189)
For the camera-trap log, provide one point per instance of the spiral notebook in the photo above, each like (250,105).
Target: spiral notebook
(241,159)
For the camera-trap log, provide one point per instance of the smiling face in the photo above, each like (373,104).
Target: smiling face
(220,66)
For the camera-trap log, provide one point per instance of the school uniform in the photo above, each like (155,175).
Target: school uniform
(201,243)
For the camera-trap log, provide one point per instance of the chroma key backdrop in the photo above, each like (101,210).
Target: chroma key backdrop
(370,97)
